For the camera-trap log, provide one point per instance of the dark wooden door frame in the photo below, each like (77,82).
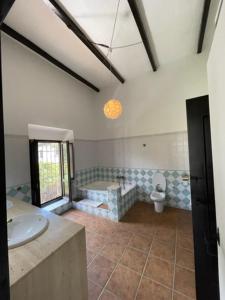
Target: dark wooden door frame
(4,264)
(34,173)
(5,6)
(69,170)
(203,200)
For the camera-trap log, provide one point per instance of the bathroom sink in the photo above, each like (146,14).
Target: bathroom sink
(9,204)
(25,228)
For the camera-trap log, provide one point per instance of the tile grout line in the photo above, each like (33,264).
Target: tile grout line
(99,252)
(153,280)
(103,289)
(137,249)
(142,274)
(148,255)
(186,268)
(175,260)
(92,258)
(188,298)
(96,253)
(163,259)
(143,271)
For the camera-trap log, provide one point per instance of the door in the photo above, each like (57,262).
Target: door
(5,6)
(203,201)
(4,266)
(67,170)
(50,171)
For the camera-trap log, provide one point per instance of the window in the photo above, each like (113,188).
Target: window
(51,170)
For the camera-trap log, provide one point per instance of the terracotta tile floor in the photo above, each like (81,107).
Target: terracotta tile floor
(146,256)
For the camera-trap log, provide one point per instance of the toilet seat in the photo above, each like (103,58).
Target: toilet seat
(157,196)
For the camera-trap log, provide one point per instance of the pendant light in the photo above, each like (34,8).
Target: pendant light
(113,107)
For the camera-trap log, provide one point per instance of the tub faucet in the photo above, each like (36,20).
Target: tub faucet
(119,180)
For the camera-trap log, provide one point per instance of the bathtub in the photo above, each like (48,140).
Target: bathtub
(104,186)
(119,199)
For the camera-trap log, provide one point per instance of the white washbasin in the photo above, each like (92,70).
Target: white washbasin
(25,228)
(9,204)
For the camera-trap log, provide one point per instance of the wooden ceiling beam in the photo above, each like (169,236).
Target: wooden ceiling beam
(23,40)
(77,30)
(143,33)
(204,20)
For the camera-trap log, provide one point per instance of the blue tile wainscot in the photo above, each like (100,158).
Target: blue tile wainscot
(177,191)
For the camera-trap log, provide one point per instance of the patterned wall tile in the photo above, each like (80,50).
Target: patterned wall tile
(22,192)
(118,204)
(177,192)
(95,195)
(86,176)
(97,211)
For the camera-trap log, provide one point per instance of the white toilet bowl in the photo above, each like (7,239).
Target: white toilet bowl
(158,195)
(158,198)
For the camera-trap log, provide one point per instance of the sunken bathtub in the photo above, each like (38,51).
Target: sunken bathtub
(107,199)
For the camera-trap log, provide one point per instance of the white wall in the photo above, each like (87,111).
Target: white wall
(155,102)
(17,160)
(216,75)
(85,154)
(37,92)
(164,151)
(49,133)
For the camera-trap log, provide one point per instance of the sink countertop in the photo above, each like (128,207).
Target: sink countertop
(25,258)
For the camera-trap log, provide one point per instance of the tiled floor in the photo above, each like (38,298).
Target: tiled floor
(147,256)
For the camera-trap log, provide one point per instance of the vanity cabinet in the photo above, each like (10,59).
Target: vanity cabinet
(53,266)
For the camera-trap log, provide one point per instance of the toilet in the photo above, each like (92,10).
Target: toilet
(158,194)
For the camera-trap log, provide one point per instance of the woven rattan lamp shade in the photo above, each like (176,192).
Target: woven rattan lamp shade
(113,109)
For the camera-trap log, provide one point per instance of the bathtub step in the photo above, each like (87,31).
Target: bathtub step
(93,203)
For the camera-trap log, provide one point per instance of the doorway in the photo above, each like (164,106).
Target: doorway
(203,200)
(51,165)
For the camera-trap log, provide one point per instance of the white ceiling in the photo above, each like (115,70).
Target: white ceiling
(174,26)
(97,17)
(38,23)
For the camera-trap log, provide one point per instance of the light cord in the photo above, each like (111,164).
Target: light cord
(114,26)
(118,47)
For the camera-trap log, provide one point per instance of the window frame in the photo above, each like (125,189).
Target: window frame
(61,172)
(34,170)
